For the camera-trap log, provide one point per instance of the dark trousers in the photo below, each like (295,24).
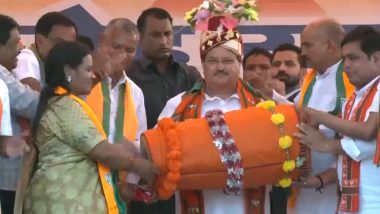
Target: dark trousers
(159,207)
(7,201)
(279,200)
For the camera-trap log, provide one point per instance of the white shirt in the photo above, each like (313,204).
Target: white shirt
(27,66)
(297,92)
(6,126)
(278,98)
(364,151)
(209,103)
(138,98)
(323,98)
(215,201)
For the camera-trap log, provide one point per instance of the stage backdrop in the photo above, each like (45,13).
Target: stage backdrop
(280,20)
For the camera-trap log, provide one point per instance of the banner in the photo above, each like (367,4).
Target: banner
(280,21)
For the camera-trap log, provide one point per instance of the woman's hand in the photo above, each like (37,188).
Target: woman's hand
(130,147)
(122,156)
(146,170)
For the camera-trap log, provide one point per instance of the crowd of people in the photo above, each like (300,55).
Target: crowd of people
(72,114)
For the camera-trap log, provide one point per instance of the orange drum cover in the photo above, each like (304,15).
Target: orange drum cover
(256,138)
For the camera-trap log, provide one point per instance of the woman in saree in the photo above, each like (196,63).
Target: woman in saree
(75,161)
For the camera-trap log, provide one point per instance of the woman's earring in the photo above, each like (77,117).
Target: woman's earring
(68,79)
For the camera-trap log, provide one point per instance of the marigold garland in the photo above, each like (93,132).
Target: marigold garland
(268,105)
(173,158)
(277,118)
(284,142)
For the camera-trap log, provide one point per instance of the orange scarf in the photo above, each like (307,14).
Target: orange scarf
(191,107)
(191,104)
(126,122)
(349,201)
(104,172)
(344,87)
(96,100)
(344,90)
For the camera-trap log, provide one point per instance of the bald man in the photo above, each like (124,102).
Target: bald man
(116,100)
(324,88)
(122,97)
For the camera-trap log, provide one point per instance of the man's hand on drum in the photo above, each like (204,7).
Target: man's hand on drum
(309,116)
(312,138)
(309,182)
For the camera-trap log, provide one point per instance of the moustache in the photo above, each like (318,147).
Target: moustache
(220,72)
(281,74)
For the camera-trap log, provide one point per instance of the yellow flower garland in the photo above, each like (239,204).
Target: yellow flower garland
(284,142)
(277,118)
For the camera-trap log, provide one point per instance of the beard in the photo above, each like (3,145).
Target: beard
(290,81)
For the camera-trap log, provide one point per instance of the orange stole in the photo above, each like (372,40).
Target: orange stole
(309,78)
(96,101)
(257,141)
(191,104)
(190,108)
(310,75)
(349,201)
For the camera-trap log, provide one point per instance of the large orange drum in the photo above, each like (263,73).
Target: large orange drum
(256,138)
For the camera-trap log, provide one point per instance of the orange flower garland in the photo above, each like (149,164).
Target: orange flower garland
(285,141)
(169,183)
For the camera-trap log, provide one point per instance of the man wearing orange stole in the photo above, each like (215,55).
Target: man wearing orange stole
(221,91)
(116,100)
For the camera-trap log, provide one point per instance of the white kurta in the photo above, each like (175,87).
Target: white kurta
(138,98)
(323,98)
(215,201)
(27,66)
(364,151)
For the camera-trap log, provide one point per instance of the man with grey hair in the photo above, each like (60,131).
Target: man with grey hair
(324,88)
(116,100)
(160,77)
